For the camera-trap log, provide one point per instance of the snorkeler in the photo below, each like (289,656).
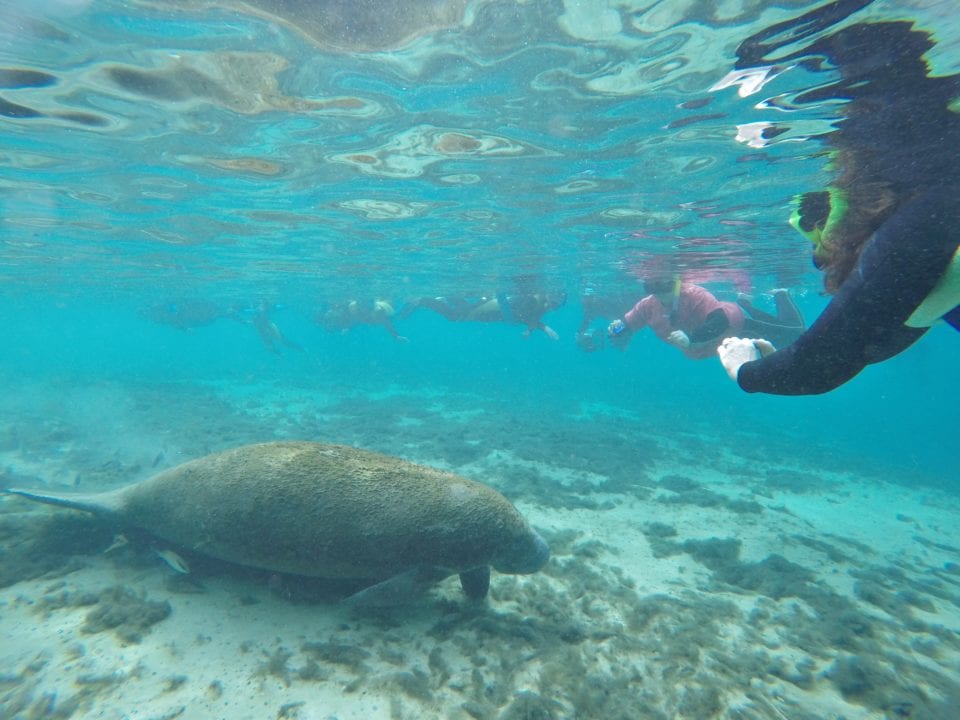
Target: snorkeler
(188,313)
(270,335)
(347,315)
(886,233)
(600,306)
(690,318)
(525,309)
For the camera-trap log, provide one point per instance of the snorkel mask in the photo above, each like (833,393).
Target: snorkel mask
(815,217)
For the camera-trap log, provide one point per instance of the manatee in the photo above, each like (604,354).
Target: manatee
(328,511)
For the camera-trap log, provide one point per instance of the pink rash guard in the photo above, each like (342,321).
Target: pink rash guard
(689,311)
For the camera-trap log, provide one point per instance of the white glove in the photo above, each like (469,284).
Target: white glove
(734,352)
(679,338)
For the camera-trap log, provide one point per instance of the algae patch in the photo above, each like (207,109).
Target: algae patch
(44,543)
(128,614)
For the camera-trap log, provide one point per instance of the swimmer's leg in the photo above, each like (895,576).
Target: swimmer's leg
(781,329)
(754,312)
(788,314)
(450,308)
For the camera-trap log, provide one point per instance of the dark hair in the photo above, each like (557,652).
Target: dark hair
(896,127)
(659,284)
(886,145)
(869,204)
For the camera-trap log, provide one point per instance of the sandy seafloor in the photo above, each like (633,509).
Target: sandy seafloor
(692,577)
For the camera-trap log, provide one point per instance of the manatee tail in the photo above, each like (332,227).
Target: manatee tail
(105,503)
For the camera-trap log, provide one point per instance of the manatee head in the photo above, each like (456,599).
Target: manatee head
(523,552)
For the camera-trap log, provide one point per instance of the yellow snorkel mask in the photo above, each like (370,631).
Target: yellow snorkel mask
(815,217)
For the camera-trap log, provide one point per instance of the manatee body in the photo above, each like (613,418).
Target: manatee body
(327,511)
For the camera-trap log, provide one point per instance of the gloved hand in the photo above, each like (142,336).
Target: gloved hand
(734,352)
(618,333)
(617,327)
(590,340)
(679,338)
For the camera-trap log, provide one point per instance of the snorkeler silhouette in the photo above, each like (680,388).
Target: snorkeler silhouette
(525,309)
(525,304)
(595,306)
(885,234)
(345,316)
(690,318)
(188,313)
(270,335)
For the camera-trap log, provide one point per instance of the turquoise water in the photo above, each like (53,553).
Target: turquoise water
(900,415)
(343,185)
(307,154)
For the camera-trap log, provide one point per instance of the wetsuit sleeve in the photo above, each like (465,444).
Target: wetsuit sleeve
(638,316)
(714,325)
(864,323)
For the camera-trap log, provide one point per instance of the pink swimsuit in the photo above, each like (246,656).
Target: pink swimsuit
(689,312)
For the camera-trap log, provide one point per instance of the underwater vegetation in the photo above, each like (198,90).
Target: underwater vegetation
(127,614)
(584,640)
(662,619)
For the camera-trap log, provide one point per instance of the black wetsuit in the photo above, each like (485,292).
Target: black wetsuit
(898,129)
(864,323)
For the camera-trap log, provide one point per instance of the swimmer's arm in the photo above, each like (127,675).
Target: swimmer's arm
(622,329)
(714,327)
(549,331)
(864,323)
(387,323)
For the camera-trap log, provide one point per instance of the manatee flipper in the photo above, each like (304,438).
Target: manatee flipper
(399,589)
(103,504)
(476,582)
